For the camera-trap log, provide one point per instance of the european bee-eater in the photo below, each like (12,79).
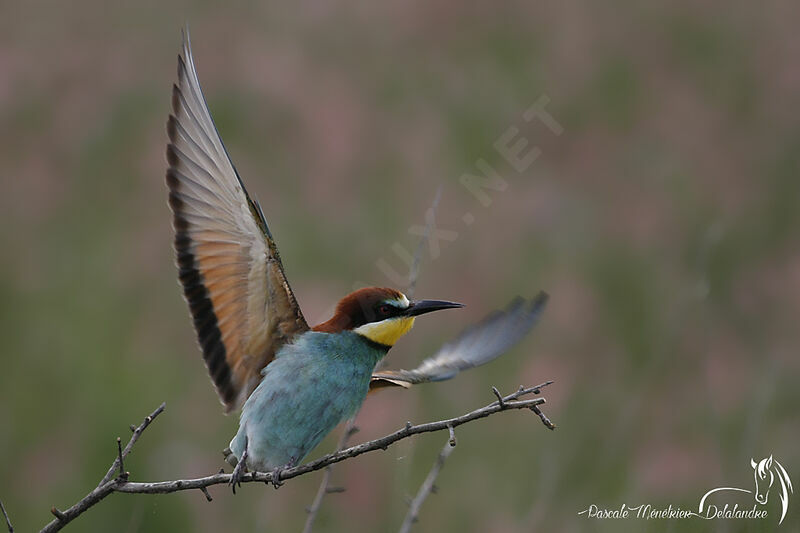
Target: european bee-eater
(294,383)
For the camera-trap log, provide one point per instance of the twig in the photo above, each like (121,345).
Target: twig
(122,473)
(137,432)
(546,421)
(413,272)
(106,485)
(534,390)
(499,396)
(522,391)
(165,487)
(350,429)
(8,520)
(428,486)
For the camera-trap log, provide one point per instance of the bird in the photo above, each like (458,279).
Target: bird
(293,383)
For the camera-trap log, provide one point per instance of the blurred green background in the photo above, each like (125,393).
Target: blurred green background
(663,221)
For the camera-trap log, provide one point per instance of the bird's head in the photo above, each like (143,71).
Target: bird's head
(380,314)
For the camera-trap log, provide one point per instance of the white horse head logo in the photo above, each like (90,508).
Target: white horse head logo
(765,472)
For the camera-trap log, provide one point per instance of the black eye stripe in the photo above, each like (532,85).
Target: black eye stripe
(387,310)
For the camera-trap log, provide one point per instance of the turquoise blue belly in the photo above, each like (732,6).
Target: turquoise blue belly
(311,386)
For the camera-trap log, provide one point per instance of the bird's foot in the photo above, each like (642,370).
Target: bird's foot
(239,471)
(276,474)
(276,477)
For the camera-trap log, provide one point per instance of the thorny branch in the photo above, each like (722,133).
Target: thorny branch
(121,484)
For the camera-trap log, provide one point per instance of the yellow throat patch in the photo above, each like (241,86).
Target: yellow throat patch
(386,332)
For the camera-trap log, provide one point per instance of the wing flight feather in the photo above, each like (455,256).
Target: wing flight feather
(241,303)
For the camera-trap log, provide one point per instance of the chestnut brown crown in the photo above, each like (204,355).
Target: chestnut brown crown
(375,305)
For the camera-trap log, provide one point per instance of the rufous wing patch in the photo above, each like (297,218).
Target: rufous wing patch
(233,280)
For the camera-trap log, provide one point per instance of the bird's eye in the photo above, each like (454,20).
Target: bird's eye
(384,309)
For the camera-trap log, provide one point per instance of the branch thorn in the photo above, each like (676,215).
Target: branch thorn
(500,399)
(122,473)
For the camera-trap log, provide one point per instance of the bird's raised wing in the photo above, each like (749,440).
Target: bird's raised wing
(232,276)
(477,345)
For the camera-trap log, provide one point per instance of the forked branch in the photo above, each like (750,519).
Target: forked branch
(120,483)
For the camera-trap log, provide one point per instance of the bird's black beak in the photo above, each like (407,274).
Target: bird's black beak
(420,307)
